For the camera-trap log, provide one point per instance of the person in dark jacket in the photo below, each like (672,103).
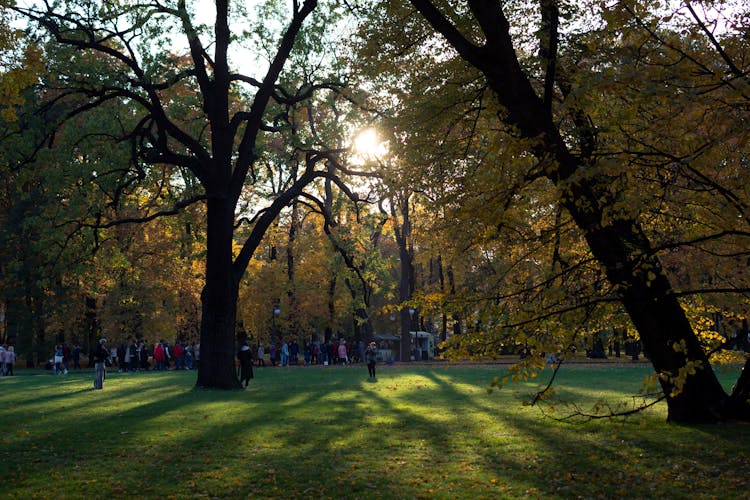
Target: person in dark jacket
(371,356)
(245,356)
(100,357)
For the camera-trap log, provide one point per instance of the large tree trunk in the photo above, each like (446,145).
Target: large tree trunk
(644,290)
(741,390)
(219,301)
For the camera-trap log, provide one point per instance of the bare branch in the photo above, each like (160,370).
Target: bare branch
(135,220)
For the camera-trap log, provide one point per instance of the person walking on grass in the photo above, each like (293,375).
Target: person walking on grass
(343,357)
(159,356)
(179,355)
(123,356)
(133,356)
(245,356)
(371,357)
(261,355)
(168,355)
(76,356)
(100,358)
(10,360)
(284,354)
(66,356)
(188,356)
(272,354)
(58,359)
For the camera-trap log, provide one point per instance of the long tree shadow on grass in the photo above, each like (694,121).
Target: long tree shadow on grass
(414,445)
(315,432)
(621,457)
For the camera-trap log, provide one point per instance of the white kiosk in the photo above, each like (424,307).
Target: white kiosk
(422,348)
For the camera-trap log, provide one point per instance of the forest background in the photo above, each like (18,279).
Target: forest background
(395,166)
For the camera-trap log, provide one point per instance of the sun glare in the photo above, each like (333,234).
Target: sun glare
(368,146)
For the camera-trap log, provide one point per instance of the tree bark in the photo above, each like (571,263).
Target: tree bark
(219,301)
(645,292)
(402,233)
(741,391)
(331,308)
(291,294)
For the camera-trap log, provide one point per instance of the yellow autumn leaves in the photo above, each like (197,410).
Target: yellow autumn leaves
(20,64)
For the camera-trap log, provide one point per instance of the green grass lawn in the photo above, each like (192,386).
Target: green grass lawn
(313,432)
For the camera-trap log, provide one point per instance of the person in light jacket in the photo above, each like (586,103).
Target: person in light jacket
(284,354)
(261,355)
(10,360)
(343,356)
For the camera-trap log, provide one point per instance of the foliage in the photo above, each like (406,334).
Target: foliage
(64,199)
(641,103)
(20,64)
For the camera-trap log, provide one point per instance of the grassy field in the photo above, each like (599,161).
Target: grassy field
(308,432)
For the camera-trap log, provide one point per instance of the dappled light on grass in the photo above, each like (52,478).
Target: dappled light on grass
(417,432)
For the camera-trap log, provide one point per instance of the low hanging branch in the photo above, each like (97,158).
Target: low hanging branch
(584,416)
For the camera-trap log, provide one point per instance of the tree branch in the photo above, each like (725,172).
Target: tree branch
(135,220)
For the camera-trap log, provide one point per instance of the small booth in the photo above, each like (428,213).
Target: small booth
(388,346)
(422,346)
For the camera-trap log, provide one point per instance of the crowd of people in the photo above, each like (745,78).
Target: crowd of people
(333,352)
(134,354)
(129,356)
(63,356)
(339,352)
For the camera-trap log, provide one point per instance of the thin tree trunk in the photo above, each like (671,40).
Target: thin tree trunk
(443,316)
(402,233)
(362,325)
(331,308)
(290,270)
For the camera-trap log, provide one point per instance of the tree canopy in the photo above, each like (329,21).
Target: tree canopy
(549,174)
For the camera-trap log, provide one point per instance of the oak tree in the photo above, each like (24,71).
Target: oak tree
(196,114)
